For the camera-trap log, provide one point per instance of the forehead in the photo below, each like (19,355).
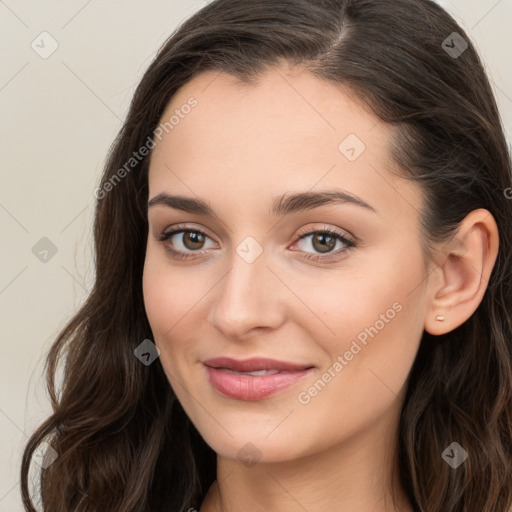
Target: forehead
(287,131)
(287,103)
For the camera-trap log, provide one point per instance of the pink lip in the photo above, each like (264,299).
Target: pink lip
(253,387)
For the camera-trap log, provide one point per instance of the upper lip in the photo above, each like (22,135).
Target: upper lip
(254,364)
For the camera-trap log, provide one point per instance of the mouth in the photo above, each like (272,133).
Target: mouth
(253,379)
(255,364)
(254,373)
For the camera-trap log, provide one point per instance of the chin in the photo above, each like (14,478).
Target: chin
(255,444)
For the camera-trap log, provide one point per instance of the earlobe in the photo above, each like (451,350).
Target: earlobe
(458,284)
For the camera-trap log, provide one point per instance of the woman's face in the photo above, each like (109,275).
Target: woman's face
(248,287)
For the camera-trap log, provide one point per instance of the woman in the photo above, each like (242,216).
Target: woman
(303,287)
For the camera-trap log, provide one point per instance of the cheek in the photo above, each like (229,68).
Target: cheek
(373,318)
(165,304)
(378,331)
(174,307)
(157,295)
(169,294)
(381,290)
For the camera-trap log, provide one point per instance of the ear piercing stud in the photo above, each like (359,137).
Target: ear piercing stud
(440,318)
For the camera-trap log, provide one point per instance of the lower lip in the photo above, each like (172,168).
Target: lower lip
(253,387)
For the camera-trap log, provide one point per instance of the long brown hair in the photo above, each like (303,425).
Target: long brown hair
(123,441)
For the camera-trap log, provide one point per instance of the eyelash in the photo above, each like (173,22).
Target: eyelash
(349,244)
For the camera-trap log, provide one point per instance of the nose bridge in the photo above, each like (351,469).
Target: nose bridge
(246,297)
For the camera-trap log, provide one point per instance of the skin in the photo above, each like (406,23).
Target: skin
(239,148)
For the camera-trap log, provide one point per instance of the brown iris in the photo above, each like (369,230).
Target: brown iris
(195,239)
(325,242)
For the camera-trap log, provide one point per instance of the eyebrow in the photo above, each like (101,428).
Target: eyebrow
(282,205)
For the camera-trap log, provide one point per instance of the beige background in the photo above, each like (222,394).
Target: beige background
(59,117)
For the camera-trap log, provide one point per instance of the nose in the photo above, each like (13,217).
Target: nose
(248,299)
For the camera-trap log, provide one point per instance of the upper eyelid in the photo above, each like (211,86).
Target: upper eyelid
(343,233)
(183,229)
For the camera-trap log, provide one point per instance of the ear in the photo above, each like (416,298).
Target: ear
(458,282)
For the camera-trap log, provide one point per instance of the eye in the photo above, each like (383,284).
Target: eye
(184,241)
(324,241)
